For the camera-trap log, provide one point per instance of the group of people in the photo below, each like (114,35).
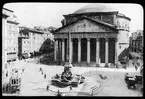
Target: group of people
(41,70)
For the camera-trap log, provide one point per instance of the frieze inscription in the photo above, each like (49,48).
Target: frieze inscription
(86,35)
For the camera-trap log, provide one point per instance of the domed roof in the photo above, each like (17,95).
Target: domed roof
(99,7)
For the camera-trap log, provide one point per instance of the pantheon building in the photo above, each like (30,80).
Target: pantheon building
(99,33)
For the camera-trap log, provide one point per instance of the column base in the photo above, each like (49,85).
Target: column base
(96,65)
(106,65)
(68,64)
(116,64)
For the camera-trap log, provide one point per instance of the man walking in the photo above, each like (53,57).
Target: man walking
(44,76)
(70,88)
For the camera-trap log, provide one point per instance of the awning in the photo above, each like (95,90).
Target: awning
(12,57)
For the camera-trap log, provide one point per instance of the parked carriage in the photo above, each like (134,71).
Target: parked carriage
(131,83)
(132,80)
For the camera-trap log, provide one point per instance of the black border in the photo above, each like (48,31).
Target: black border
(64,1)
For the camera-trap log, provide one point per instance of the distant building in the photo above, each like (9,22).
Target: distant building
(31,40)
(136,41)
(11,36)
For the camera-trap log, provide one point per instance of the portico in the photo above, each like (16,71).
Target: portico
(86,47)
(98,34)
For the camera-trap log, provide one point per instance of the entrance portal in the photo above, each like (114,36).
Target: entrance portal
(75,50)
(92,49)
(102,50)
(111,50)
(84,49)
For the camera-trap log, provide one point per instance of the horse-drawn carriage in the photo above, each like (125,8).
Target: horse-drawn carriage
(132,80)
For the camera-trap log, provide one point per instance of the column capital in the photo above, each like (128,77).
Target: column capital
(63,39)
(71,39)
(79,39)
(97,39)
(106,39)
(88,39)
(55,39)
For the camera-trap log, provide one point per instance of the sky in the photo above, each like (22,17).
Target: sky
(51,14)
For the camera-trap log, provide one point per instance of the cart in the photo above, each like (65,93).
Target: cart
(131,83)
(127,76)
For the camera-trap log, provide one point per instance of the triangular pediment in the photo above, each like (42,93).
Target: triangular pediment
(85,25)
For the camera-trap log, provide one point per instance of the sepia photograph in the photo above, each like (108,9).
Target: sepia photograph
(72,49)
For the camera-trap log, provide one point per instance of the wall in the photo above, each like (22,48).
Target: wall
(123,43)
(12,38)
(122,23)
(108,18)
(105,18)
(4,44)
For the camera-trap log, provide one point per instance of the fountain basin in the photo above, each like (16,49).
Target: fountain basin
(74,82)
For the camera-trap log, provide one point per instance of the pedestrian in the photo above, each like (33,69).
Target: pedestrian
(133,63)
(23,70)
(138,64)
(44,76)
(58,93)
(136,67)
(70,88)
(7,74)
(47,87)
(40,69)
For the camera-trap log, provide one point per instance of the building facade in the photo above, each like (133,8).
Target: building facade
(96,35)
(31,40)
(136,41)
(11,35)
(5,15)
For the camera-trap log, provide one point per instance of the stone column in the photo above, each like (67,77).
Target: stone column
(106,51)
(58,50)
(55,50)
(116,47)
(79,49)
(88,50)
(97,50)
(63,50)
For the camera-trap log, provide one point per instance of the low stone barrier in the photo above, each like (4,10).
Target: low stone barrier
(95,89)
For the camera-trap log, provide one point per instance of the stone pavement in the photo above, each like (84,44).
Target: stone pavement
(34,84)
